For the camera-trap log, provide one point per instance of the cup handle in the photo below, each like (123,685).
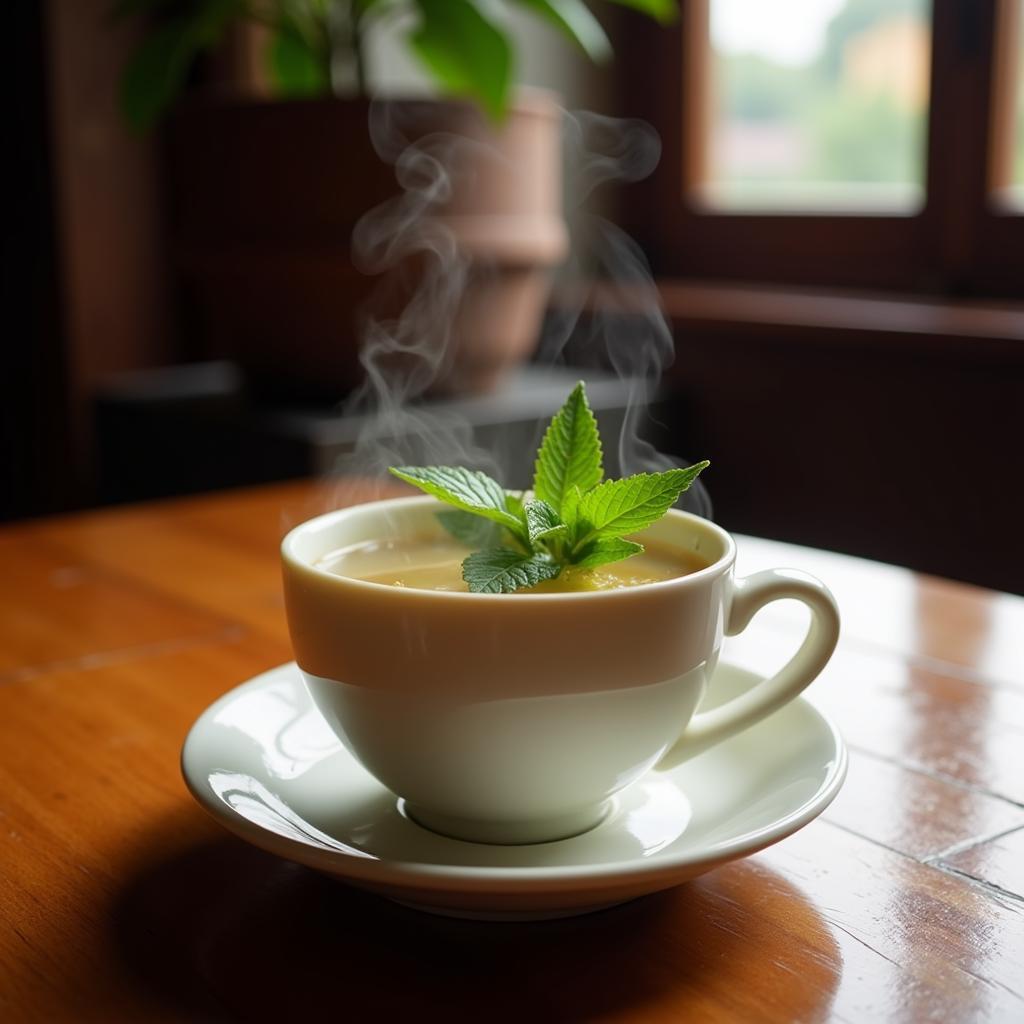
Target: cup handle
(750,595)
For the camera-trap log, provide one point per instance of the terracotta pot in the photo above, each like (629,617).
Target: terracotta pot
(264,198)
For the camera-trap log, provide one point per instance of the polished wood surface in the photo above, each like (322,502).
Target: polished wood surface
(121,900)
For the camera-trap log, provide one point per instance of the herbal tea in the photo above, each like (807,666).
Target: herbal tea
(574,521)
(436,564)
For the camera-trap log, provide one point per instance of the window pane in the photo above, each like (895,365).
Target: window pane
(1009,106)
(817,104)
(1018,149)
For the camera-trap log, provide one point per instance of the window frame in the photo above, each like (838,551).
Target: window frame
(957,244)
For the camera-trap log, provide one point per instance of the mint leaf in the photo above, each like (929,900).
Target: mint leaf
(625,506)
(542,522)
(503,571)
(570,454)
(605,550)
(514,504)
(466,489)
(570,508)
(471,529)
(573,519)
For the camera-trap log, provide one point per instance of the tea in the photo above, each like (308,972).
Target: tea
(429,563)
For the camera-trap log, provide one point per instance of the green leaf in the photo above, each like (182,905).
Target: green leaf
(471,529)
(665,11)
(503,571)
(570,454)
(542,522)
(157,70)
(514,503)
(295,67)
(466,53)
(573,18)
(625,506)
(466,489)
(571,506)
(527,542)
(156,73)
(605,550)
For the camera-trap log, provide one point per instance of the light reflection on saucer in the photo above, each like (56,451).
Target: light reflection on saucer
(661,816)
(292,736)
(267,766)
(251,800)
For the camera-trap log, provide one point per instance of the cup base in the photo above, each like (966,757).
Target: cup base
(509,833)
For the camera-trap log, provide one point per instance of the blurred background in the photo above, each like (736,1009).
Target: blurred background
(833,234)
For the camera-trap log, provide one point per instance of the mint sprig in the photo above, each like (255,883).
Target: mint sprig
(468,490)
(617,507)
(605,550)
(502,570)
(572,519)
(473,531)
(570,454)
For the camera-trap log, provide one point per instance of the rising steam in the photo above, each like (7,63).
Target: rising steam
(405,353)
(408,348)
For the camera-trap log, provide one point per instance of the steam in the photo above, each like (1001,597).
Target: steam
(407,343)
(616,318)
(606,314)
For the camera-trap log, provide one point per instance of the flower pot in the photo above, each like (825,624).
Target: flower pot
(264,198)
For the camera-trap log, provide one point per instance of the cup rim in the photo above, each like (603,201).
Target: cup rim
(692,579)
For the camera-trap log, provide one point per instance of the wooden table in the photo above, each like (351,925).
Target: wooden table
(121,900)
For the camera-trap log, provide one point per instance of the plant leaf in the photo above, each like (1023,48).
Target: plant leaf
(156,73)
(542,522)
(574,19)
(466,489)
(570,508)
(665,11)
(470,529)
(570,454)
(605,550)
(465,53)
(617,507)
(503,571)
(157,70)
(514,503)
(296,69)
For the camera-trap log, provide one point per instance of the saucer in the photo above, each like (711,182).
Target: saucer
(264,763)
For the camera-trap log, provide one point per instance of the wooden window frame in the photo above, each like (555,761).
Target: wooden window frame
(962,242)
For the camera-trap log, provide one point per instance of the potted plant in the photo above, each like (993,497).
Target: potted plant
(263,195)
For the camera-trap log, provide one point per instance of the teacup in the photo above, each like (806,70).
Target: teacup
(514,718)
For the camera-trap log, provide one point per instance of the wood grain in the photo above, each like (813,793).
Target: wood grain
(927,719)
(998,862)
(122,901)
(953,627)
(60,607)
(914,812)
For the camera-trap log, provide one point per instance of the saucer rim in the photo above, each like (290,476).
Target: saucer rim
(470,878)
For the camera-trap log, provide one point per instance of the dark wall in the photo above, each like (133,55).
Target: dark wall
(907,453)
(34,443)
(83,289)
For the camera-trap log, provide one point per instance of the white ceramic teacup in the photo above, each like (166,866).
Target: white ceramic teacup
(512,718)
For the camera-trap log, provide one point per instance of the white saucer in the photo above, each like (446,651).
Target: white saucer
(264,763)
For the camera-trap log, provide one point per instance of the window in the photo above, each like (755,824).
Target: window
(1007,170)
(816,104)
(850,143)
